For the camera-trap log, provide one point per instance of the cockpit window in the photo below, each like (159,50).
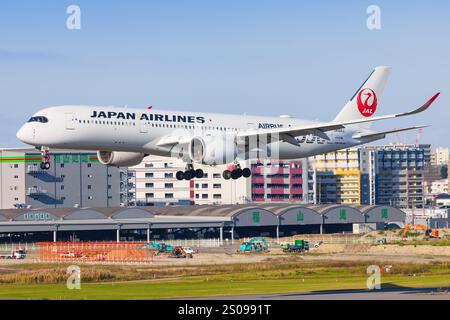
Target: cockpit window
(38,119)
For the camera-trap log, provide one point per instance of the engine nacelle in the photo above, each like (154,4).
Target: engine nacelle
(120,159)
(213,150)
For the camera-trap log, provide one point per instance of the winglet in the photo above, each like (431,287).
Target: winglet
(429,102)
(423,107)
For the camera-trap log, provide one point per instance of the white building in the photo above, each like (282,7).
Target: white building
(442,155)
(439,187)
(153,182)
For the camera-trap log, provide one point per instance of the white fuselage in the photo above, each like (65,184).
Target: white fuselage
(141,130)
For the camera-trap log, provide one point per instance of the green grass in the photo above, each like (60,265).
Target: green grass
(217,285)
(276,275)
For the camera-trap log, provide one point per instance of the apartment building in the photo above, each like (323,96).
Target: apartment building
(279,180)
(394,174)
(336,177)
(153,182)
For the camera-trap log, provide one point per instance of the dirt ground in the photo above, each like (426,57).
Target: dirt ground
(333,249)
(348,252)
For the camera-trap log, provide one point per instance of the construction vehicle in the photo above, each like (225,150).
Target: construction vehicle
(179,252)
(160,247)
(299,246)
(254,245)
(429,233)
(19,253)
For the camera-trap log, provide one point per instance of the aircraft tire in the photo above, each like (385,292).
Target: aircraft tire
(179,175)
(246,173)
(226,174)
(199,173)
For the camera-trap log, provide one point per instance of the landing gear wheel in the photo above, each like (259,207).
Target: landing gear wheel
(188,175)
(44,165)
(226,174)
(199,173)
(179,175)
(246,173)
(235,174)
(45,156)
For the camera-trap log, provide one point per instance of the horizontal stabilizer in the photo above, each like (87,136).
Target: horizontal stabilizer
(383,133)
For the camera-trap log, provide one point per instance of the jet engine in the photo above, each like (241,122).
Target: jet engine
(213,150)
(120,159)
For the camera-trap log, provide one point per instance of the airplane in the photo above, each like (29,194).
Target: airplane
(124,136)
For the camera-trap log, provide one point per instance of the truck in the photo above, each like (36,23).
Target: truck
(18,253)
(179,252)
(299,246)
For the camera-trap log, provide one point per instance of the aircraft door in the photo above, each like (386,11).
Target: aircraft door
(70,121)
(144,126)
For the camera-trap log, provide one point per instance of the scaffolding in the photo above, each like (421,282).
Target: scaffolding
(115,252)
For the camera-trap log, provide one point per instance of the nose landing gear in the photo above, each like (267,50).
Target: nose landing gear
(236,172)
(190,173)
(45,163)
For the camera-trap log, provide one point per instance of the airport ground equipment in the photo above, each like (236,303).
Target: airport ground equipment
(299,246)
(179,252)
(18,253)
(318,244)
(380,241)
(254,245)
(429,233)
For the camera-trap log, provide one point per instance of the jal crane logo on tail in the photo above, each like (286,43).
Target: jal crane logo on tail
(367,102)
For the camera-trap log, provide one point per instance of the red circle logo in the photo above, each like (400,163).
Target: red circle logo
(367,102)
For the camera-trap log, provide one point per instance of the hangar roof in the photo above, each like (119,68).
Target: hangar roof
(264,214)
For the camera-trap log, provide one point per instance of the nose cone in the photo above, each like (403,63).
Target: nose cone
(23,135)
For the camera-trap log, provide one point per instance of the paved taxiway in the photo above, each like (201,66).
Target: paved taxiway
(382,294)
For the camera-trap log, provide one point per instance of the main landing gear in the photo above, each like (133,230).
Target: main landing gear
(45,163)
(190,173)
(237,172)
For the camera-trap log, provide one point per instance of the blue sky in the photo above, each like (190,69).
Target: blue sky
(259,57)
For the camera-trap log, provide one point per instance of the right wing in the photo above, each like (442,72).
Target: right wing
(288,134)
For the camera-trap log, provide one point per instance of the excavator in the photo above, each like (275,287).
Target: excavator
(429,233)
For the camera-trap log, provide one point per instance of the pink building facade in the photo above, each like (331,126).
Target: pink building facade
(277,181)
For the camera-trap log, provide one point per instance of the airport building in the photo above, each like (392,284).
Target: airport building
(75,179)
(191,222)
